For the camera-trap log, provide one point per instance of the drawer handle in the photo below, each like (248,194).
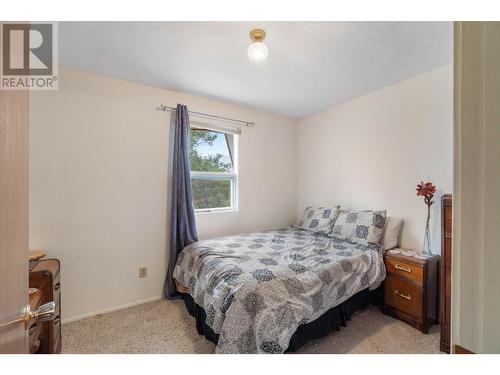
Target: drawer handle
(398,267)
(57,321)
(57,286)
(402,295)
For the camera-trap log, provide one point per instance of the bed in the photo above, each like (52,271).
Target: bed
(269,292)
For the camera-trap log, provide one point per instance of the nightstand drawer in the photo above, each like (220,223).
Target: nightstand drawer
(405,269)
(404,296)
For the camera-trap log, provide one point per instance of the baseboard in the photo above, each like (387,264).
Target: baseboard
(110,309)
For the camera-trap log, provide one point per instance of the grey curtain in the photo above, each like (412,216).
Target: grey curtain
(182,222)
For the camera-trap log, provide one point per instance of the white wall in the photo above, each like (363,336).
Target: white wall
(370,152)
(98,184)
(475,295)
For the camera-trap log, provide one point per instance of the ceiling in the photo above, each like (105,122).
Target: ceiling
(311,65)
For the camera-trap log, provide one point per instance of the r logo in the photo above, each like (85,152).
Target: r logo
(27,49)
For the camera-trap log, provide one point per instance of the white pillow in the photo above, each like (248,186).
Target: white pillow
(391,233)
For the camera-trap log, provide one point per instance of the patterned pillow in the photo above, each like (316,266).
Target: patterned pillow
(319,219)
(362,227)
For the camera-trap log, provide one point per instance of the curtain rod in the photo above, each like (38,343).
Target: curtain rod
(163,107)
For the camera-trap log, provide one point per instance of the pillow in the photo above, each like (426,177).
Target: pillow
(319,219)
(391,233)
(362,227)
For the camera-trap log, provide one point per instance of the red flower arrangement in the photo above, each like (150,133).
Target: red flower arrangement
(427,190)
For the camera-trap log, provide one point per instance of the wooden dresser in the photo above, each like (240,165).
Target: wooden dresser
(45,276)
(445,295)
(411,290)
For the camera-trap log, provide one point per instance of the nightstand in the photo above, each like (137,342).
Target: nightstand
(411,289)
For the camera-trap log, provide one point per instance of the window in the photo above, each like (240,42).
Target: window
(213,168)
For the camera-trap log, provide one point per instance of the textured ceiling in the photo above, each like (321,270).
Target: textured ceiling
(311,65)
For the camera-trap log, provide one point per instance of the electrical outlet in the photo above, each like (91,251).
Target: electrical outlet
(143,272)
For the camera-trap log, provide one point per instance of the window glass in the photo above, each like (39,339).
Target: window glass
(209,151)
(211,193)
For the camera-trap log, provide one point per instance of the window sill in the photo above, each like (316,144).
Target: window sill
(216,211)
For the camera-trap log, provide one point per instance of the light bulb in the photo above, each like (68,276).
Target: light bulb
(257,52)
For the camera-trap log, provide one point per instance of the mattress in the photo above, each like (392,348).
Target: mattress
(258,288)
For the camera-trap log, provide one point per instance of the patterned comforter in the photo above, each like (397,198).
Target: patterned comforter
(257,288)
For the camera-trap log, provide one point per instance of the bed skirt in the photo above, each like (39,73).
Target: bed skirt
(330,321)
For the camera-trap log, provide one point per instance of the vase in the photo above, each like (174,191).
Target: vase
(427,246)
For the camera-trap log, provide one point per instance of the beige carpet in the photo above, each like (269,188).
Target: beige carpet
(166,327)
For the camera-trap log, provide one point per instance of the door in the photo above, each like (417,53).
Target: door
(475,276)
(13,219)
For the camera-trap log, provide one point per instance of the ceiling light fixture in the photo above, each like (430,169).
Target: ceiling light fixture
(257,51)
